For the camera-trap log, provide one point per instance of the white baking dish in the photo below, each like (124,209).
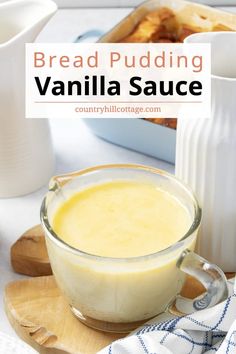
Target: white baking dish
(190,13)
(138,134)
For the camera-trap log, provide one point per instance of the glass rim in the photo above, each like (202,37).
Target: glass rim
(51,234)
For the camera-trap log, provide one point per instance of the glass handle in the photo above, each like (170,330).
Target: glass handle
(211,277)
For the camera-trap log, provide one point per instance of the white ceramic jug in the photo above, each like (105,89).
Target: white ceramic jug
(26,157)
(206,155)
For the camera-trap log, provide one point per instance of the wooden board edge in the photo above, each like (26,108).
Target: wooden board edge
(24,332)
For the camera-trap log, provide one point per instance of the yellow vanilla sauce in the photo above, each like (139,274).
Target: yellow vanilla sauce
(121,218)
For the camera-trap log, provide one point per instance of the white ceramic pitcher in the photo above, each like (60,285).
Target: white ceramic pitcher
(26,157)
(206,154)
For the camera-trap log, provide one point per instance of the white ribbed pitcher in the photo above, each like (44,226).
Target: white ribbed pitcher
(26,157)
(206,155)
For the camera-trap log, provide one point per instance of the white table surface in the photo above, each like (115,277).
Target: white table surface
(75,146)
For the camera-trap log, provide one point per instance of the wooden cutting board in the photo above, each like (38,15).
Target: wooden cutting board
(29,253)
(41,316)
(39,313)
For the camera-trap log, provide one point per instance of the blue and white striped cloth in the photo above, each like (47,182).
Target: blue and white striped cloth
(208,331)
